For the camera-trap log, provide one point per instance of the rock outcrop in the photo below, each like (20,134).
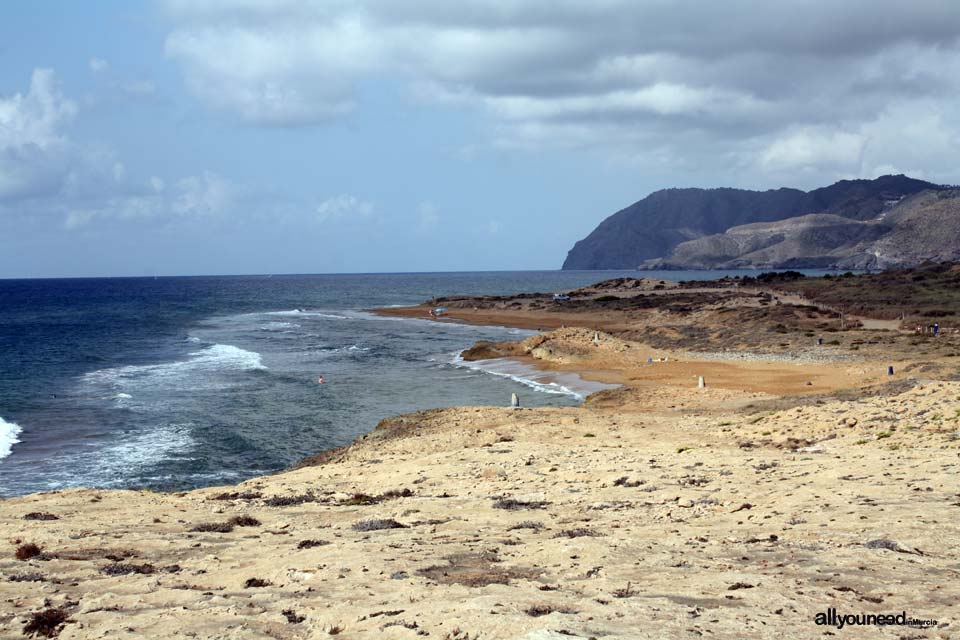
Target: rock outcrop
(657,226)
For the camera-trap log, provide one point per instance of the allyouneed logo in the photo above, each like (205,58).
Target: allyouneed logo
(840,620)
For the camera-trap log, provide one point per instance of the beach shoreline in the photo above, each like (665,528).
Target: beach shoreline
(657,508)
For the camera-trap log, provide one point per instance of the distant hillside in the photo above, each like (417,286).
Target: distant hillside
(654,227)
(923,227)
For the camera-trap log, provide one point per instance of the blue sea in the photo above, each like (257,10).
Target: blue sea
(180,382)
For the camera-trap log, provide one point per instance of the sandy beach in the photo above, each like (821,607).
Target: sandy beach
(786,487)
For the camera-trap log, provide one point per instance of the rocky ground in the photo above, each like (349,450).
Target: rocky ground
(782,489)
(772,319)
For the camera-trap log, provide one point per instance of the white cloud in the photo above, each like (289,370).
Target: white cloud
(98,64)
(807,147)
(756,84)
(204,195)
(33,151)
(33,119)
(343,206)
(43,173)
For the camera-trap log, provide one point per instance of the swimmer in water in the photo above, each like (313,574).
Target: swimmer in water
(320,380)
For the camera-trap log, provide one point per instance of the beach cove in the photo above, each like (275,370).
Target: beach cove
(791,483)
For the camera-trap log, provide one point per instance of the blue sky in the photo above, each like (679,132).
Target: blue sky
(246,136)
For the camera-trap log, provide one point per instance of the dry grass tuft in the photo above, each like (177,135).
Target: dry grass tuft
(213,527)
(476,570)
(39,515)
(252,583)
(513,504)
(310,544)
(123,569)
(377,525)
(47,623)
(27,551)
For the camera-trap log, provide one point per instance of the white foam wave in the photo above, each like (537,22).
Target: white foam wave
(212,359)
(118,462)
(356,348)
(568,384)
(146,448)
(308,314)
(279,326)
(8,437)
(511,370)
(193,339)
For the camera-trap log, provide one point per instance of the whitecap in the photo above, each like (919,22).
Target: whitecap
(346,349)
(568,384)
(128,455)
(308,314)
(143,449)
(203,363)
(8,437)
(279,326)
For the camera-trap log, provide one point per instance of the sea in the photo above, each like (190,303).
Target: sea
(173,383)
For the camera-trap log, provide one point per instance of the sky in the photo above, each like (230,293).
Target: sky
(177,137)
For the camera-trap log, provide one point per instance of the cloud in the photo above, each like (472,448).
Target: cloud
(44,174)
(753,84)
(204,195)
(343,206)
(810,147)
(33,119)
(33,151)
(98,64)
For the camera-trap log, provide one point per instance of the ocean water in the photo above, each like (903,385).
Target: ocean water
(180,382)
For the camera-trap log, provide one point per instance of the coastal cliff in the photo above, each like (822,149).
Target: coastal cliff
(722,228)
(800,477)
(657,510)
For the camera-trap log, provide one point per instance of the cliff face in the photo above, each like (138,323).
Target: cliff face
(920,228)
(655,226)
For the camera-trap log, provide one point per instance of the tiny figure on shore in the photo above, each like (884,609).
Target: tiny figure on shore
(320,380)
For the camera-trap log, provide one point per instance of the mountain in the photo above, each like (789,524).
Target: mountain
(922,227)
(653,227)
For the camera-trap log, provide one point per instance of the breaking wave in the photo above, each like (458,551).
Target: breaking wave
(8,437)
